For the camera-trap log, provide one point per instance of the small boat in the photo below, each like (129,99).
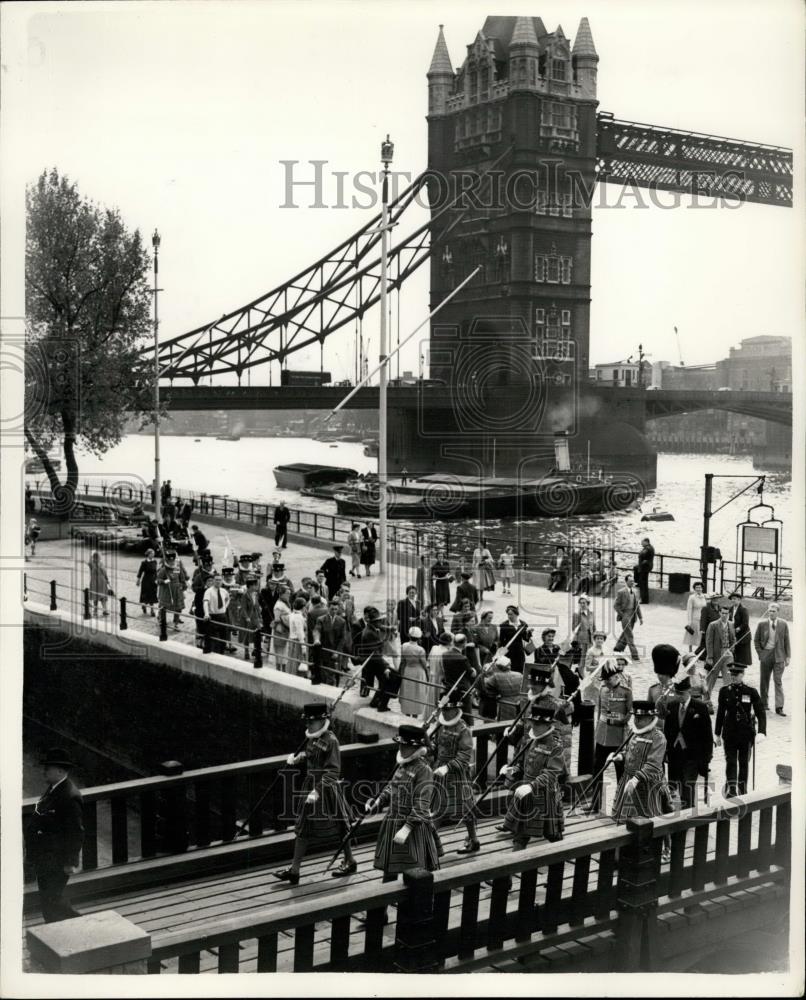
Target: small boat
(300,475)
(196,440)
(228,437)
(658,515)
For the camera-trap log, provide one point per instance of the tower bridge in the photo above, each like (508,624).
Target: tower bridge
(522,107)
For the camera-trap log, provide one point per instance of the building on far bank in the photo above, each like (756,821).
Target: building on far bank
(758,364)
(621,373)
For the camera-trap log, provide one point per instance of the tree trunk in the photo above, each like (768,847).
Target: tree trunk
(44,458)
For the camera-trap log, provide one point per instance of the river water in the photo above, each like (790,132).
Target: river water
(243,469)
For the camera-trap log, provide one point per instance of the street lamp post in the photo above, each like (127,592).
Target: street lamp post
(387,153)
(155,243)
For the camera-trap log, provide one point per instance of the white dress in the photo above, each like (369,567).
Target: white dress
(696,602)
(483,569)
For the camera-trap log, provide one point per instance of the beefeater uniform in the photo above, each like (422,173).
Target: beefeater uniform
(539,814)
(643,759)
(453,793)
(326,821)
(409,797)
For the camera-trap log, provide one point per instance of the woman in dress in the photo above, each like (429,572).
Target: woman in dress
(297,630)
(433,626)
(485,635)
(99,583)
(464,619)
(391,634)
(369,536)
(354,540)
(147,578)
(507,563)
(172,583)
(483,568)
(281,614)
(441,579)
(436,673)
(583,625)
(413,694)
(696,602)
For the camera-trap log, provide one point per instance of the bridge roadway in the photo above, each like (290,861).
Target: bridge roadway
(773,406)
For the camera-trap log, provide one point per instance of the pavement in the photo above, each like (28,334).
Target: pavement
(66,561)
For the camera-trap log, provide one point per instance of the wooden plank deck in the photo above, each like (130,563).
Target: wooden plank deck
(181,905)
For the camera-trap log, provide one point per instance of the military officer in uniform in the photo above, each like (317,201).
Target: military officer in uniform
(407,838)
(453,758)
(536,806)
(735,727)
(54,836)
(642,790)
(324,816)
(613,700)
(690,741)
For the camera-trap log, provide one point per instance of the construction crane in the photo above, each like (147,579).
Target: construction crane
(679,350)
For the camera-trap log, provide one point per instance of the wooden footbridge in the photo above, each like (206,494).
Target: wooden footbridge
(600,899)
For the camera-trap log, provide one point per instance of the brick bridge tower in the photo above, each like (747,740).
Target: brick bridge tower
(513,346)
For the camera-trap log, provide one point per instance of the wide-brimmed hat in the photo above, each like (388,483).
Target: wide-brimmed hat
(446,639)
(599,631)
(454,698)
(411,736)
(57,757)
(542,713)
(642,709)
(541,674)
(665,659)
(314,710)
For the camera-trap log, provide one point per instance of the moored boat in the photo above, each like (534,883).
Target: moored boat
(305,475)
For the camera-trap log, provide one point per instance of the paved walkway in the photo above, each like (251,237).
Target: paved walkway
(66,561)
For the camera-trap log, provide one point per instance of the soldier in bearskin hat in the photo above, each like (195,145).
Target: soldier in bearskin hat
(453,757)
(536,806)
(408,838)
(324,817)
(642,790)
(665,662)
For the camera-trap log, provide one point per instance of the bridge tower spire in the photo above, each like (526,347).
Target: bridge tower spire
(585,60)
(440,77)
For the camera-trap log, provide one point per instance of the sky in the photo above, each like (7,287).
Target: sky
(181,114)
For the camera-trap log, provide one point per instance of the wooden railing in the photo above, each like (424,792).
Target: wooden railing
(171,814)
(606,882)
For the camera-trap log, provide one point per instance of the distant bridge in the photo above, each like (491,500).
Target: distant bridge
(774,406)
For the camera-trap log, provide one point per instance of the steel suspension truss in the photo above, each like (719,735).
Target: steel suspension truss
(651,156)
(315,303)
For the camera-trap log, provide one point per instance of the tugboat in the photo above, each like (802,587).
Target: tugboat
(658,515)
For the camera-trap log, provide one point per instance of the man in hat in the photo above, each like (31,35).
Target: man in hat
(457,664)
(516,637)
(642,790)
(335,571)
(244,569)
(613,700)
(540,692)
(172,581)
(324,816)
(408,613)
(690,741)
(407,838)
(333,635)
(665,662)
(720,638)
(248,616)
(503,683)
(453,758)
(54,836)
(466,590)
(737,706)
(628,612)
(202,580)
(740,620)
(536,806)
(710,613)
(378,669)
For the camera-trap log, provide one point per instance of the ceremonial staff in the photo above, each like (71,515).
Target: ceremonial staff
(513,723)
(387,783)
(353,678)
(489,788)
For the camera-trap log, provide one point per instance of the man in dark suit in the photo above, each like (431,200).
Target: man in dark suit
(515,631)
(690,741)
(282,515)
(332,634)
(710,613)
(628,611)
(408,613)
(646,560)
(558,573)
(456,662)
(466,590)
(774,653)
(740,619)
(54,836)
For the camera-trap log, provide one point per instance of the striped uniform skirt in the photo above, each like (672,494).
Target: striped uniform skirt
(453,796)
(647,800)
(422,849)
(325,822)
(539,814)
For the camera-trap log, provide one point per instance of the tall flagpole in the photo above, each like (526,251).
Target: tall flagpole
(387,152)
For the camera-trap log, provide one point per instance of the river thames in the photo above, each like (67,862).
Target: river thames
(243,469)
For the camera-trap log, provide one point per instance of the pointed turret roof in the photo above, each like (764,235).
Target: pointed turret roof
(441,61)
(524,33)
(583,43)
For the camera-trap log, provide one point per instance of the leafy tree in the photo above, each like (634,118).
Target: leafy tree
(87,304)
